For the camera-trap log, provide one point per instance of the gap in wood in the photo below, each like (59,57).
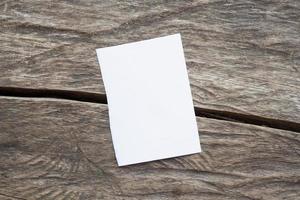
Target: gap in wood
(101,98)
(54,93)
(248,119)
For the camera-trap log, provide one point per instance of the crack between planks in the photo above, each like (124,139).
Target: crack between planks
(54,93)
(91,97)
(248,119)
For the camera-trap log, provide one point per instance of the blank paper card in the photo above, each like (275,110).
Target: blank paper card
(150,104)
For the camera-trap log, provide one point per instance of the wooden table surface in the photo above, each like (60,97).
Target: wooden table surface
(243,61)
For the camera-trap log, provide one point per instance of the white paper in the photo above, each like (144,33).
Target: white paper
(149,99)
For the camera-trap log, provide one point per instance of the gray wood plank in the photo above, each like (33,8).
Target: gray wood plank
(60,149)
(242,56)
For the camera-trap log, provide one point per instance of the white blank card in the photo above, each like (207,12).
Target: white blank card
(149,100)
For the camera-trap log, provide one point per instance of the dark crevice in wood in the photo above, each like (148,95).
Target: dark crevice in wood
(54,93)
(101,98)
(248,119)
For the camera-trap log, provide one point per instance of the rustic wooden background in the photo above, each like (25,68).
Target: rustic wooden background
(243,59)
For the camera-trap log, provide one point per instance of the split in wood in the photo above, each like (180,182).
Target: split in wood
(101,98)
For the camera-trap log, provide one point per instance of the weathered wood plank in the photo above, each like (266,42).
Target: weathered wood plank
(242,56)
(55,149)
(29,28)
(89,16)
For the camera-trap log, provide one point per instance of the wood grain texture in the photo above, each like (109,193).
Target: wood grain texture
(242,56)
(60,149)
